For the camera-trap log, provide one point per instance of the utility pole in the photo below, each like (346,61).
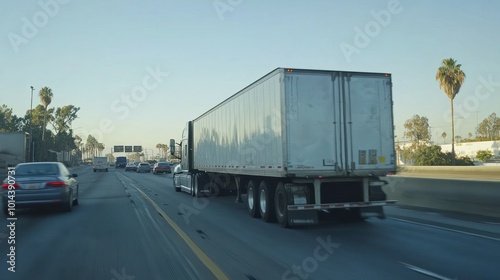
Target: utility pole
(32,150)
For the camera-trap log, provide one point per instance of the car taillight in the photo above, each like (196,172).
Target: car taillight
(6,186)
(55,184)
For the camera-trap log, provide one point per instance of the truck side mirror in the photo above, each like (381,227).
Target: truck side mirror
(172,146)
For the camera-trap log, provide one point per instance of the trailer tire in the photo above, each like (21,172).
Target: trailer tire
(266,202)
(253,200)
(281,205)
(196,188)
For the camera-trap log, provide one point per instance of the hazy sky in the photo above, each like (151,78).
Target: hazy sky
(140,69)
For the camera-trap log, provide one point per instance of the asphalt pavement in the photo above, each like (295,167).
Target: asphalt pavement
(135,226)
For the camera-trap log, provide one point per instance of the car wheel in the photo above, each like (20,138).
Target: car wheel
(177,189)
(68,205)
(75,202)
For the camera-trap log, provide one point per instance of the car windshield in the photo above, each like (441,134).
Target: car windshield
(37,169)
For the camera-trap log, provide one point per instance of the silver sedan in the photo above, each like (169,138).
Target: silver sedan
(39,183)
(143,167)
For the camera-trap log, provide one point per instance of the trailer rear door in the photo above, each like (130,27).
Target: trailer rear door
(369,122)
(338,123)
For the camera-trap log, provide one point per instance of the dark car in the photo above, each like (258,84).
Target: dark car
(161,167)
(143,167)
(38,184)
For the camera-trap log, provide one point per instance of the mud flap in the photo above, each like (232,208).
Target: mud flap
(303,217)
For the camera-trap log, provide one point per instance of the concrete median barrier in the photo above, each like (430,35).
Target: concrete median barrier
(452,172)
(471,190)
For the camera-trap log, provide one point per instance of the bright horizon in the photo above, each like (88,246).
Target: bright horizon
(183,58)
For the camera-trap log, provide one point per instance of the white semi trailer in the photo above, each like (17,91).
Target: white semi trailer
(13,150)
(296,142)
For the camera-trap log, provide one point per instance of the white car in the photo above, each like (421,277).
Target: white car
(100,164)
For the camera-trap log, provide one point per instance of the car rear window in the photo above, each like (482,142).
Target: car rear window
(37,169)
(163,163)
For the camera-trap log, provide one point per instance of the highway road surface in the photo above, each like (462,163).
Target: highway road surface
(132,226)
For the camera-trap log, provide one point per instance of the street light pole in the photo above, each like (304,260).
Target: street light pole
(32,151)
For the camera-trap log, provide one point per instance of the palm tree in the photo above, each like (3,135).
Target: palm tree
(164,148)
(450,78)
(158,146)
(444,136)
(46,98)
(100,148)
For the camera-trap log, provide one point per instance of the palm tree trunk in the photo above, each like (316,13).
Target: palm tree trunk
(452,134)
(44,124)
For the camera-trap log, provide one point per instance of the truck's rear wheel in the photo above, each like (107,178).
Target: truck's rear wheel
(281,205)
(252,200)
(266,202)
(196,187)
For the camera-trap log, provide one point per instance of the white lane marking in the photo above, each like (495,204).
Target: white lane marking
(493,180)
(448,229)
(491,223)
(426,272)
